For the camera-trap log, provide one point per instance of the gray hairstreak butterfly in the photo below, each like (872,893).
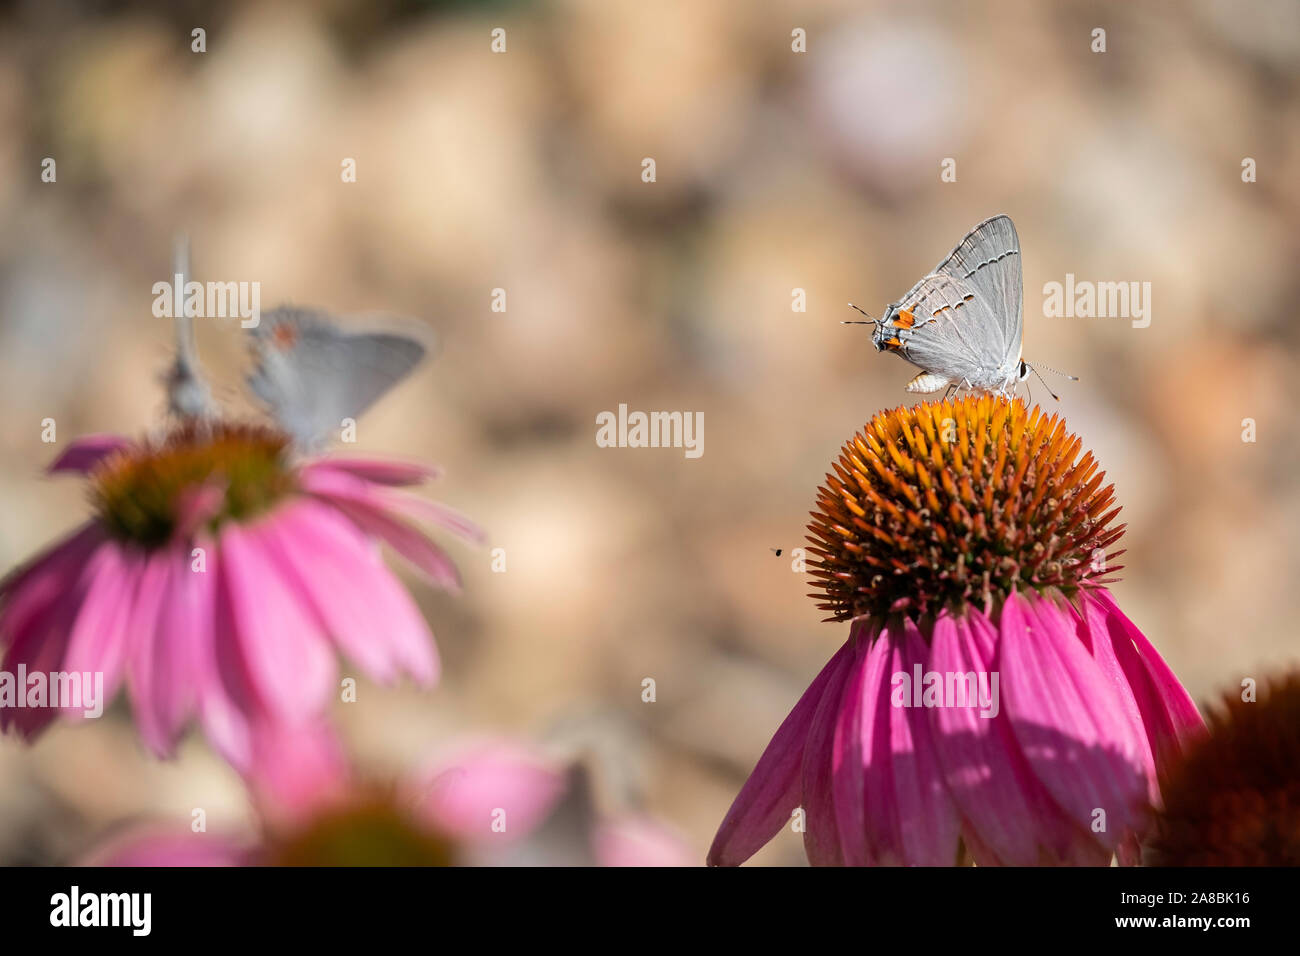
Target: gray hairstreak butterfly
(961,324)
(313,373)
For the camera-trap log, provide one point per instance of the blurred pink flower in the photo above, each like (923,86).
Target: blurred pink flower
(217,580)
(992,703)
(155,844)
(497,803)
(639,840)
(508,805)
(497,790)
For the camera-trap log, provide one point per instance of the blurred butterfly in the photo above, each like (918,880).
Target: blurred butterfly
(312,373)
(776,551)
(962,324)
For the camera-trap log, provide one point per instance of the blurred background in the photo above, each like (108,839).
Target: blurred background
(776,170)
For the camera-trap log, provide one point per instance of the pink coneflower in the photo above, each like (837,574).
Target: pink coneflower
(496,803)
(217,579)
(992,703)
(510,805)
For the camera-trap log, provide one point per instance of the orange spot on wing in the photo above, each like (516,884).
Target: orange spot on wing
(285,336)
(905,319)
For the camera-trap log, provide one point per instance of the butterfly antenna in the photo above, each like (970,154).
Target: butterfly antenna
(1045,385)
(1072,378)
(188,395)
(859,321)
(184,324)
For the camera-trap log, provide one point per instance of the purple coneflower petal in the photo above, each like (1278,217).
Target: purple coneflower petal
(185,632)
(395,621)
(149,641)
(1168,712)
(370,618)
(1129,851)
(874,754)
(296,769)
(334,587)
(925,819)
(39,614)
(224,721)
(1056,838)
(461,797)
(269,646)
(435,513)
(876,734)
(1083,750)
(771,793)
(380,471)
(406,632)
(168,661)
(862,684)
(37,648)
(637,840)
(99,639)
(155,845)
(28,591)
(1099,640)
(84,453)
(821,836)
(359,502)
(423,555)
(988,780)
(979,851)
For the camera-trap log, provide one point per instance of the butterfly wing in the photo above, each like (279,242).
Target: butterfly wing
(963,321)
(942,326)
(989,259)
(312,373)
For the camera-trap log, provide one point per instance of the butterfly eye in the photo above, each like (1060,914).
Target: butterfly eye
(1024,370)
